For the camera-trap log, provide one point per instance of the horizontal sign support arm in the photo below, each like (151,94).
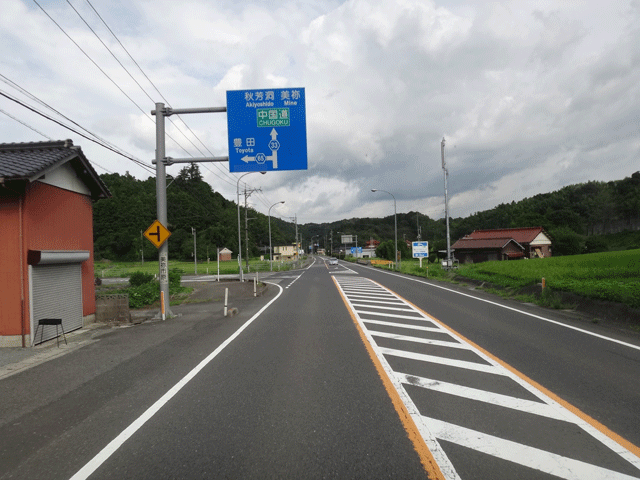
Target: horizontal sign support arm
(171,161)
(168,111)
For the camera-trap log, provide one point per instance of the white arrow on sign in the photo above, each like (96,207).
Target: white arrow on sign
(261,158)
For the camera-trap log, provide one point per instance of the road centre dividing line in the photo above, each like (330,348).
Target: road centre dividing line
(433,458)
(629,451)
(294,280)
(528,406)
(384,295)
(426,341)
(478,367)
(117,442)
(356,288)
(432,429)
(547,462)
(393,315)
(593,334)
(395,325)
(385,308)
(364,300)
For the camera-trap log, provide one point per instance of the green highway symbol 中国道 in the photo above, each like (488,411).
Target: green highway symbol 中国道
(261,158)
(273,117)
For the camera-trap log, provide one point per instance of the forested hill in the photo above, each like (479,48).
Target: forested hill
(576,216)
(191,203)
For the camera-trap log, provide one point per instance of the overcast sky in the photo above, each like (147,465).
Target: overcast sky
(529,95)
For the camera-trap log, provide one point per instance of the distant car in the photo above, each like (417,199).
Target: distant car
(333,261)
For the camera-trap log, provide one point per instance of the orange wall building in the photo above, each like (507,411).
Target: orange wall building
(46,245)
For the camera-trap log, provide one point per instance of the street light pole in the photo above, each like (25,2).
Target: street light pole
(395,221)
(239,233)
(270,252)
(446,204)
(195,255)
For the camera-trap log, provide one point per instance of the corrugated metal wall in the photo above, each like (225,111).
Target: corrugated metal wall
(56,293)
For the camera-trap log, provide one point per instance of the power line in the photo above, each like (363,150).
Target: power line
(143,165)
(41,102)
(104,73)
(154,86)
(26,125)
(123,92)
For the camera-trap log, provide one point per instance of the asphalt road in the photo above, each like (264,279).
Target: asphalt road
(337,372)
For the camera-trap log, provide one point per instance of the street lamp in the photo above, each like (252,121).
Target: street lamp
(270,254)
(195,254)
(239,237)
(395,221)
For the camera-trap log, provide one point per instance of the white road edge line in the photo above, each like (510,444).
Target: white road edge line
(117,442)
(636,347)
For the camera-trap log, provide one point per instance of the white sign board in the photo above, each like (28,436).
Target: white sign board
(347,239)
(420,249)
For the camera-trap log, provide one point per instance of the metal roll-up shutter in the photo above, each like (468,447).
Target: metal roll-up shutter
(56,293)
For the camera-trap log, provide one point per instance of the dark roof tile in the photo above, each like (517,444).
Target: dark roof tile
(27,161)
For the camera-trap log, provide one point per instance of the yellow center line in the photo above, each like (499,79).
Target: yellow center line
(426,458)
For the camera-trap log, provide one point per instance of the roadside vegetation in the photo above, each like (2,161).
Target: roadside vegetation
(611,276)
(143,288)
(109,269)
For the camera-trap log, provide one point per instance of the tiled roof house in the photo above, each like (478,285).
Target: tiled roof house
(46,246)
(503,244)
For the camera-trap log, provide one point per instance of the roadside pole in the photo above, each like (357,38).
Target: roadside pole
(161,205)
(161,161)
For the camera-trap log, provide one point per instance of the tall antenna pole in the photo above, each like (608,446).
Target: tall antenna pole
(446,203)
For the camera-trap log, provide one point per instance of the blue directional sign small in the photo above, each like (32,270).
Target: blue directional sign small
(420,249)
(267,130)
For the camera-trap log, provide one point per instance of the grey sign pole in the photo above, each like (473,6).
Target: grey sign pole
(161,204)
(446,204)
(161,162)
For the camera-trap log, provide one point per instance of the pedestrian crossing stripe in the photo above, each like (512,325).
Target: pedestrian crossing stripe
(369,317)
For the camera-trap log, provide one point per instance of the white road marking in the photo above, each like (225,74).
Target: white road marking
(393,315)
(393,309)
(117,442)
(425,341)
(404,325)
(531,457)
(528,406)
(587,332)
(432,429)
(294,280)
(376,302)
(478,367)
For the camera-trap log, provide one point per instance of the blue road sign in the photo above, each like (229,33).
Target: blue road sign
(355,250)
(267,130)
(420,249)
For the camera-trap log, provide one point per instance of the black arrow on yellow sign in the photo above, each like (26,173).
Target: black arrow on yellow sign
(157,233)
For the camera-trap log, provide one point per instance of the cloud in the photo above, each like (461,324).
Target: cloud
(530,96)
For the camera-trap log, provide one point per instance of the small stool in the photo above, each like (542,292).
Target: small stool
(51,321)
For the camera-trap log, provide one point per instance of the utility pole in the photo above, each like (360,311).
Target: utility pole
(142,246)
(195,255)
(296,253)
(161,161)
(247,194)
(446,204)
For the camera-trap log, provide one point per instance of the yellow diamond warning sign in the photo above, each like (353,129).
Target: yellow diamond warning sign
(157,234)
